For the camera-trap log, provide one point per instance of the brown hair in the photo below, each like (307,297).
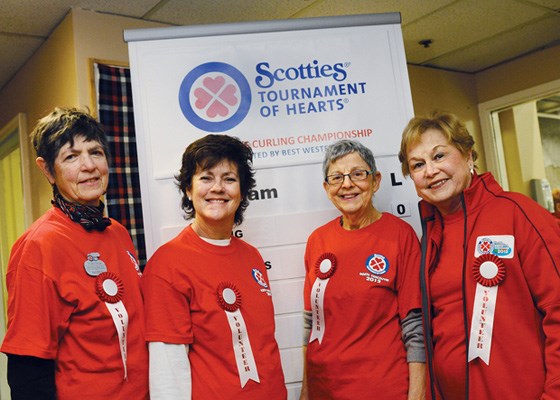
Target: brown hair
(208,152)
(62,126)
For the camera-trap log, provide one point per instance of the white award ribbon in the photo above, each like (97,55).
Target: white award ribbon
(482,322)
(120,318)
(317,310)
(242,348)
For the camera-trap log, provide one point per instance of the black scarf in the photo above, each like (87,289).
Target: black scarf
(90,217)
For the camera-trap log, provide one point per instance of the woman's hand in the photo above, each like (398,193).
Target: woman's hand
(417,381)
(303,395)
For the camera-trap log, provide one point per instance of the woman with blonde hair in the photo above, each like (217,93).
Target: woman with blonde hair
(489,274)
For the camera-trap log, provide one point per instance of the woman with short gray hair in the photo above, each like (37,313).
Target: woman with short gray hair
(361,294)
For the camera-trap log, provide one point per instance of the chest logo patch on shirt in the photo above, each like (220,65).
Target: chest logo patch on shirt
(377,264)
(258,276)
(499,245)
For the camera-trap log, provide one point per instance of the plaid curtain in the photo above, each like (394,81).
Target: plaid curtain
(117,116)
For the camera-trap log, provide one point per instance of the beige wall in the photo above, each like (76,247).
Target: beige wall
(520,74)
(46,80)
(511,150)
(434,89)
(100,36)
(59,74)
(522,144)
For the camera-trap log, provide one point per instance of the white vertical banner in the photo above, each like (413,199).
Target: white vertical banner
(289,89)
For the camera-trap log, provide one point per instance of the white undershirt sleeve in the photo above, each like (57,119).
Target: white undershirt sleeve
(170,371)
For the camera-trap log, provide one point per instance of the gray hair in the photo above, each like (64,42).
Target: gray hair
(344,147)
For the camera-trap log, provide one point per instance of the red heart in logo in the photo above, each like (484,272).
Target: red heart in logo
(214,84)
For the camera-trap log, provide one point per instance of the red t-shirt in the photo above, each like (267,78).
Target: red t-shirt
(180,287)
(375,285)
(54,311)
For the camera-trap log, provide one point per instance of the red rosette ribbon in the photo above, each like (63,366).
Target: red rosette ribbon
(229,297)
(109,287)
(489,270)
(325,266)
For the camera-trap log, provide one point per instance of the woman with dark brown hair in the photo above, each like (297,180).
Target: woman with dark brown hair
(209,312)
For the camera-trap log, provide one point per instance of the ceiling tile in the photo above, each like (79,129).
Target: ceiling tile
(39,18)
(502,47)
(27,17)
(134,8)
(408,12)
(464,23)
(468,35)
(550,4)
(20,49)
(190,12)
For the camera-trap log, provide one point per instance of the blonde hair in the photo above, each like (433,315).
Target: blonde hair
(448,124)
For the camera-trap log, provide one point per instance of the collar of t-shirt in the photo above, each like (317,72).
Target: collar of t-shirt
(217,242)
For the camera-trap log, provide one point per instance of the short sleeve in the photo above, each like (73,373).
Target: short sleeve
(409,273)
(37,315)
(167,310)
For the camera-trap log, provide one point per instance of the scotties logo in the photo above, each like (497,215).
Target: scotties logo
(215,97)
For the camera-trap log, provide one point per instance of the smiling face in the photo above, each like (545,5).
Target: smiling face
(352,199)
(81,171)
(215,194)
(439,170)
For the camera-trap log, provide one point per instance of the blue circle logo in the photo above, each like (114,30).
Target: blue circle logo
(215,97)
(259,277)
(377,264)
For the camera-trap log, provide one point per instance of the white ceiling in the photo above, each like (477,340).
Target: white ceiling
(467,35)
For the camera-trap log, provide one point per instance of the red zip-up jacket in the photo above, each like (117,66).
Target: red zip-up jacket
(525,352)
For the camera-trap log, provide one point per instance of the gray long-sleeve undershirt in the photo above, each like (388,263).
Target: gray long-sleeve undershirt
(412,334)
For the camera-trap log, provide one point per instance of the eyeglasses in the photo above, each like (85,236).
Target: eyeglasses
(355,176)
